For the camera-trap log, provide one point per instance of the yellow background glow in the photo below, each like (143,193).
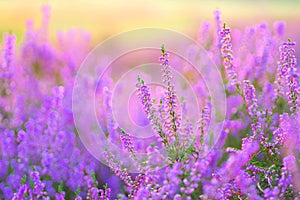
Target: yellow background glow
(105,18)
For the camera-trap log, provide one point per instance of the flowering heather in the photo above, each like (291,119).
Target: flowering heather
(255,156)
(288,74)
(172,119)
(226,51)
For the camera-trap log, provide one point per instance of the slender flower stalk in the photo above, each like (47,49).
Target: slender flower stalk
(137,184)
(116,167)
(145,98)
(252,107)
(217,37)
(126,140)
(203,124)
(8,51)
(287,74)
(227,55)
(172,121)
(7,67)
(250,98)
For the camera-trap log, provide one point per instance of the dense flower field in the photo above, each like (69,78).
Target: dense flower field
(256,155)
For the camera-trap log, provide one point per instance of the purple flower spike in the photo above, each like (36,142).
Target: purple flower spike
(287,74)
(227,54)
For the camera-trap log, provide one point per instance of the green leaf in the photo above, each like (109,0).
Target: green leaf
(31,184)
(163,49)
(78,191)
(26,195)
(60,187)
(182,98)
(23,180)
(153,144)
(105,186)
(190,150)
(94,176)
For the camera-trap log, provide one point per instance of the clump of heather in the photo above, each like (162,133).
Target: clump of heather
(257,154)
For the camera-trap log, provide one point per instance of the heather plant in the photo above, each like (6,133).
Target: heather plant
(256,155)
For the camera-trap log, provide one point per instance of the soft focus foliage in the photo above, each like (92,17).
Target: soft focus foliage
(256,156)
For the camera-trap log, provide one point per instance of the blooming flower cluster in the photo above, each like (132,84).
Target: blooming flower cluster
(288,73)
(256,156)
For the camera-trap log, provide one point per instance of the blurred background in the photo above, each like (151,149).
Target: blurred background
(103,18)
